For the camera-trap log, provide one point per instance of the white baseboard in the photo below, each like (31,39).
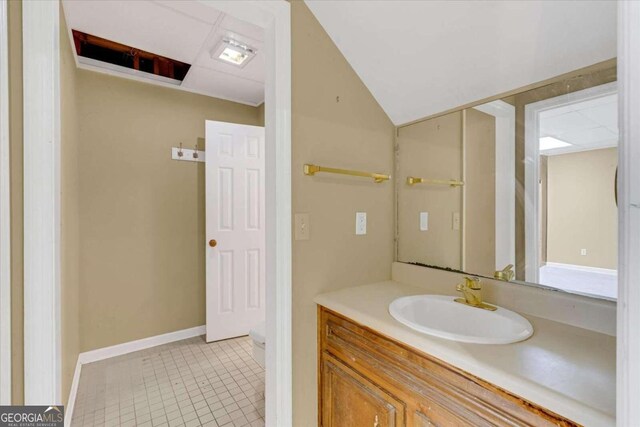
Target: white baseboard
(583,268)
(119,350)
(131,346)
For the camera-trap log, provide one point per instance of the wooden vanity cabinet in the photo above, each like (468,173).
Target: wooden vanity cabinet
(368,380)
(350,399)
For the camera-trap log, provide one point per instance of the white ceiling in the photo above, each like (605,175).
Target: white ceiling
(184,30)
(420,58)
(587,125)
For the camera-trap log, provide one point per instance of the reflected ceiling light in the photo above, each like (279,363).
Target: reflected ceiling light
(234,52)
(549,143)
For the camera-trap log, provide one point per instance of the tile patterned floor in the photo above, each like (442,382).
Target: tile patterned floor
(186,383)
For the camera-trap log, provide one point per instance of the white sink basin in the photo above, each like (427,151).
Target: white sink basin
(440,316)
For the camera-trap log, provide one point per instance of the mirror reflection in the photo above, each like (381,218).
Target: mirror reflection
(518,188)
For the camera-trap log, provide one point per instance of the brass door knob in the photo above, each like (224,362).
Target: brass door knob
(213,243)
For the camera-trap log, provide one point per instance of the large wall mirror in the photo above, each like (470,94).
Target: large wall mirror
(526,181)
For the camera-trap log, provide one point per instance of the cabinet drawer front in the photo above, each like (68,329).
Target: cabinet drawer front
(350,400)
(444,394)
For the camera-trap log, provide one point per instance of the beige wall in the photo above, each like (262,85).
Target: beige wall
(70,213)
(261,114)
(335,122)
(141,214)
(480,193)
(433,149)
(582,213)
(430,149)
(15,112)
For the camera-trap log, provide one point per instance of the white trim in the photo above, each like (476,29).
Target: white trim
(119,350)
(141,344)
(463,196)
(586,268)
(41,85)
(120,71)
(531,195)
(156,80)
(532,168)
(505,210)
(628,362)
(71,402)
(279,357)
(5,214)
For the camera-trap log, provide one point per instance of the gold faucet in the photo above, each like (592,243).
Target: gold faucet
(505,274)
(471,290)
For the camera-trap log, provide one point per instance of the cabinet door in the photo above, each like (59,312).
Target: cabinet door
(349,400)
(421,420)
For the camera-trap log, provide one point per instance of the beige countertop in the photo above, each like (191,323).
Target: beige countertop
(568,370)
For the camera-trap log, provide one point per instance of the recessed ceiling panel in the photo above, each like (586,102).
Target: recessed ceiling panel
(589,137)
(242,29)
(605,114)
(586,125)
(195,9)
(225,86)
(145,25)
(183,30)
(564,123)
(420,58)
(558,111)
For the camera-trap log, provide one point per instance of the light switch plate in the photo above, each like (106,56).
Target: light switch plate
(583,252)
(455,221)
(424,221)
(361,223)
(301,227)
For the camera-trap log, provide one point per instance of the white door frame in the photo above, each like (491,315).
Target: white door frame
(505,177)
(628,363)
(41,85)
(532,168)
(5,214)
(42,198)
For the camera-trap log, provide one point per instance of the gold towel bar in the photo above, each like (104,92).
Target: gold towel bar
(412,180)
(313,169)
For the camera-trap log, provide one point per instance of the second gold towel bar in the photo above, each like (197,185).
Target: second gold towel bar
(313,169)
(412,180)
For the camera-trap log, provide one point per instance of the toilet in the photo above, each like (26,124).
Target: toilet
(257,335)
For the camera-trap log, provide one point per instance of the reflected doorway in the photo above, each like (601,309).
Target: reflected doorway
(571,221)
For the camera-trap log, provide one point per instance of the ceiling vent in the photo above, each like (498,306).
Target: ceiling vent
(103,53)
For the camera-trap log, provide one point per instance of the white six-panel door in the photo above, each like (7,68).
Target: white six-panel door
(235,229)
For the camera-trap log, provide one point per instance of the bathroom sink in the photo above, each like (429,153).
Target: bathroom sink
(440,316)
